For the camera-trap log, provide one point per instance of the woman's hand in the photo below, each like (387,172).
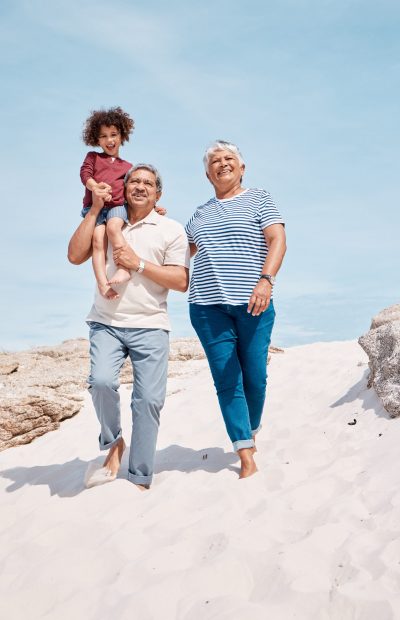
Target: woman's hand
(261,296)
(160,210)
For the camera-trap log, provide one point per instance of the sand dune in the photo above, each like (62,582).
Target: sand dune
(313,536)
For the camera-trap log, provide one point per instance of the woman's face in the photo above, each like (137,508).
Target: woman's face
(224,168)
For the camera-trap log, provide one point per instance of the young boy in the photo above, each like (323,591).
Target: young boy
(108,129)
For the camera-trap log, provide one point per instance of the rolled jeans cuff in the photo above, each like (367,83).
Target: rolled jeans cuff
(145,480)
(107,446)
(256,430)
(243,443)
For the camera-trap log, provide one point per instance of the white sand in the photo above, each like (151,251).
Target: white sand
(313,536)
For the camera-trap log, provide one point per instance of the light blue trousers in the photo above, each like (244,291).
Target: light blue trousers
(148,350)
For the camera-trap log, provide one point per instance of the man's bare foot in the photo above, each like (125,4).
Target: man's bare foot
(248,466)
(143,487)
(120,276)
(108,292)
(114,457)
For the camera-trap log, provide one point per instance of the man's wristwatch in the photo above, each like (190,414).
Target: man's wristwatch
(267,276)
(141,266)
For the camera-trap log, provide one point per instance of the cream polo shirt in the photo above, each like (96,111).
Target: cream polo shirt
(142,302)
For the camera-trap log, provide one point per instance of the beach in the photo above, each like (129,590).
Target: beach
(314,535)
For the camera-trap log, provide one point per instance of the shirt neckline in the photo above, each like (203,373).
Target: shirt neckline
(232,197)
(151,218)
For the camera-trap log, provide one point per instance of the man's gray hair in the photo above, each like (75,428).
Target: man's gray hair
(145,167)
(221,145)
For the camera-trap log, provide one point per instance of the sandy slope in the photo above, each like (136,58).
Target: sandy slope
(313,536)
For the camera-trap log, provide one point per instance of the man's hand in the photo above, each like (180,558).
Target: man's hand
(126,257)
(259,301)
(102,186)
(100,195)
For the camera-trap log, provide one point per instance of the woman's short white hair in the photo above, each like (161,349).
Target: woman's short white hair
(221,145)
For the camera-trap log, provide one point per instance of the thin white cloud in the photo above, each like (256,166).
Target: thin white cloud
(146,42)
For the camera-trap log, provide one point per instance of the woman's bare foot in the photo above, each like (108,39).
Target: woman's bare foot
(248,466)
(120,276)
(114,457)
(108,292)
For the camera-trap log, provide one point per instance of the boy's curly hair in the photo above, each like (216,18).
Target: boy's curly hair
(114,116)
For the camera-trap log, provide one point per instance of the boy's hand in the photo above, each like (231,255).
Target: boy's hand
(107,188)
(100,196)
(160,210)
(103,185)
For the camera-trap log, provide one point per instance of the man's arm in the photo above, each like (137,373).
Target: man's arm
(174,277)
(80,245)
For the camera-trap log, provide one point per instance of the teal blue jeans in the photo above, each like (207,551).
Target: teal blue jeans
(236,344)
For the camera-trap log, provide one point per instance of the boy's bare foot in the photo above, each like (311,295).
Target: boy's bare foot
(120,276)
(248,466)
(107,291)
(254,449)
(114,457)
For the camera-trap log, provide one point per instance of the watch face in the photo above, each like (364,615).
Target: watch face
(271,279)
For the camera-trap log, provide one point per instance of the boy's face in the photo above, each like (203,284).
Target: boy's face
(110,140)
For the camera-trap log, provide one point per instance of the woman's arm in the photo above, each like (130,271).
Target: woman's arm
(193,249)
(80,245)
(275,239)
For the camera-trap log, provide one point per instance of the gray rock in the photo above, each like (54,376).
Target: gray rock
(387,315)
(8,367)
(382,345)
(41,387)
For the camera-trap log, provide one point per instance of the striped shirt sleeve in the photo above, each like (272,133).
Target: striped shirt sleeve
(267,212)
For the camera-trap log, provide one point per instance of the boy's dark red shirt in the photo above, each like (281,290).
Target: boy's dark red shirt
(102,167)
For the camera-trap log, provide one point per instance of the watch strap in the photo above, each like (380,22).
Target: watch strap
(266,276)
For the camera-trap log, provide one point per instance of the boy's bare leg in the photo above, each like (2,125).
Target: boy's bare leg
(114,232)
(99,262)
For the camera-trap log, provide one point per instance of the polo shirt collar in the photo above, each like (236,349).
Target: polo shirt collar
(151,218)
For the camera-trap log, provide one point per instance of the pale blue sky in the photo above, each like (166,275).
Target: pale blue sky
(309,90)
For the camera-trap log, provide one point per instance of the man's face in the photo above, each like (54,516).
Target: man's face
(110,140)
(141,190)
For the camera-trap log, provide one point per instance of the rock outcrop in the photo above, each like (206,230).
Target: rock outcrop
(41,387)
(382,345)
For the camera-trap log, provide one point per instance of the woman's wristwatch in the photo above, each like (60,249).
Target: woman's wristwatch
(267,276)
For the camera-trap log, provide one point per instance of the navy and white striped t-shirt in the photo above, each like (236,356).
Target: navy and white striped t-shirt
(231,246)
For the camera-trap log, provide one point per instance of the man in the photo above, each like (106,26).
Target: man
(136,324)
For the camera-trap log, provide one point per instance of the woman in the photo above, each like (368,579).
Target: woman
(239,241)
